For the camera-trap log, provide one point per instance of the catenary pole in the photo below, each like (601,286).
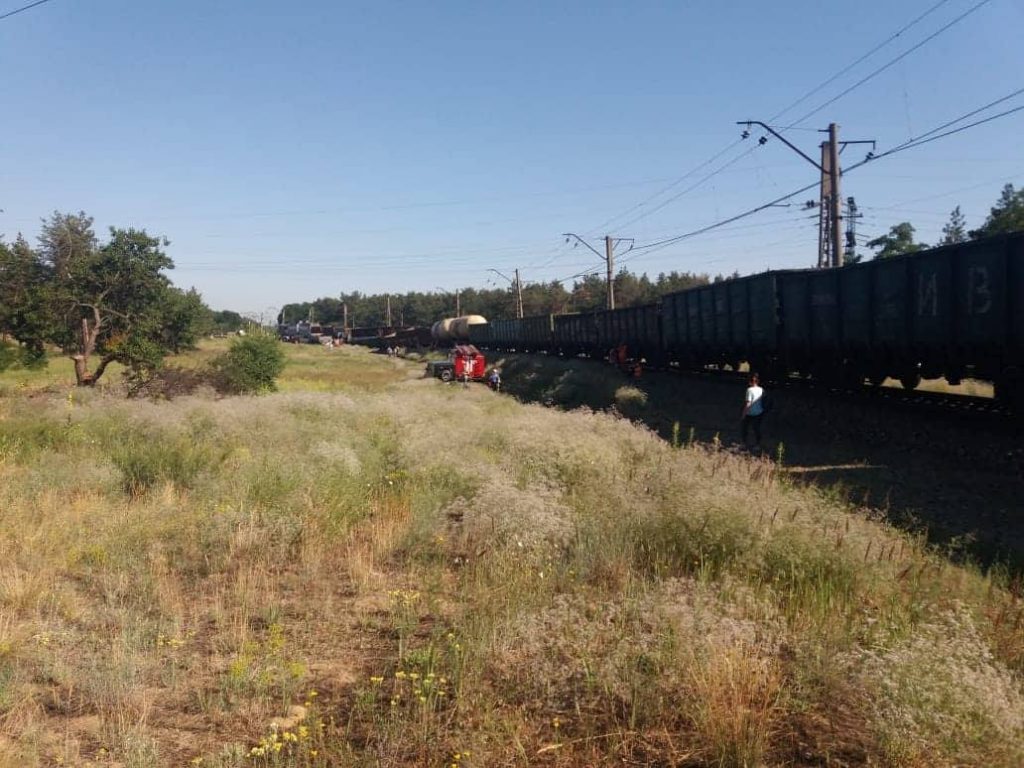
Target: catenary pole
(609,257)
(835,202)
(519,295)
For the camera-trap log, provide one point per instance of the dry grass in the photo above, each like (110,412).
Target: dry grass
(370,568)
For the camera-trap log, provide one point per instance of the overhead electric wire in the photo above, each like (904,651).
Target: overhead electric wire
(972,113)
(914,144)
(893,61)
(646,249)
(670,187)
(695,185)
(668,241)
(23,8)
(799,101)
(853,64)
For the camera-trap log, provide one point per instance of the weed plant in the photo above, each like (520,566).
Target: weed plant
(372,568)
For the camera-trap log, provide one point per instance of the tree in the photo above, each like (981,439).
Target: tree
(1007,215)
(184,318)
(24,301)
(114,300)
(66,238)
(899,240)
(955,230)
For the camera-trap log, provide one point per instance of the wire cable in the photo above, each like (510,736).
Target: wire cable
(796,103)
(670,187)
(850,66)
(648,248)
(891,62)
(23,8)
(695,185)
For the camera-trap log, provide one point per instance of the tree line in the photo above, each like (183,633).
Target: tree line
(98,302)
(589,292)
(424,308)
(1007,215)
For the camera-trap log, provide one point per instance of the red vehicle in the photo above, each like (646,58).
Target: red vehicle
(465,363)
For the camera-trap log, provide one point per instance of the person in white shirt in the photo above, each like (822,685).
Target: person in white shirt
(753,410)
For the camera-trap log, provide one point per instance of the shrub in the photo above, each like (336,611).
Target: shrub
(150,459)
(251,365)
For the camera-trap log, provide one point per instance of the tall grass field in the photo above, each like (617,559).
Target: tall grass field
(371,568)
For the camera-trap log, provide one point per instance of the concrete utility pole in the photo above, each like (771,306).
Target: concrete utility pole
(830,219)
(344,315)
(825,208)
(458,303)
(836,200)
(515,285)
(609,257)
(387,311)
(519,295)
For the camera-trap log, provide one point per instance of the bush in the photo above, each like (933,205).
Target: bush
(251,365)
(14,356)
(146,461)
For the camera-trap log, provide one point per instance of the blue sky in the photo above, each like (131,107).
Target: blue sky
(296,150)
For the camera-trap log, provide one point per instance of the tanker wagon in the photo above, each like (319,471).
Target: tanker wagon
(455,330)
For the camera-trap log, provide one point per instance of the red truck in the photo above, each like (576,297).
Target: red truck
(465,363)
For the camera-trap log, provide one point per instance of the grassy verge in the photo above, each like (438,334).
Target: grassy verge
(369,568)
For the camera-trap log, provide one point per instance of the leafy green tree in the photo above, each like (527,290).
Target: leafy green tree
(226,321)
(25,302)
(184,318)
(114,300)
(955,230)
(65,238)
(899,240)
(1007,215)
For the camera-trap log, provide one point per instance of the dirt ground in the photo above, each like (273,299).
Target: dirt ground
(957,478)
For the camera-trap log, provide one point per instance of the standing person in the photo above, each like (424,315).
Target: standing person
(753,410)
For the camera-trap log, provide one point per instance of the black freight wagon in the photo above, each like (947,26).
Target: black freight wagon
(536,333)
(639,328)
(577,334)
(953,311)
(505,335)
(729,322)
(480,335)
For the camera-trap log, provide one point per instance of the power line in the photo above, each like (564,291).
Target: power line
(643,250)
(794,104)
(668,241)
(893,61)
(850,66)
(23,8)
(903,147)
(690,188)
(963,117)
(671,186)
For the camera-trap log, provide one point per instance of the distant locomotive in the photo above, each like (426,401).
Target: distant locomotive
(954,311)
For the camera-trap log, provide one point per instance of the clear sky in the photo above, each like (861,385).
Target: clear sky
(297,150)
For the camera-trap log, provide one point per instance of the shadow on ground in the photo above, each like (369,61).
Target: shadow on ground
(954,478)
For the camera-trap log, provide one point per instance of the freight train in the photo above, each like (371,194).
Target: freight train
(953,311)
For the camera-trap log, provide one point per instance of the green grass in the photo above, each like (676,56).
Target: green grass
(373,568)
